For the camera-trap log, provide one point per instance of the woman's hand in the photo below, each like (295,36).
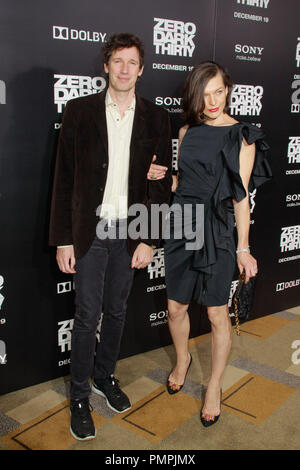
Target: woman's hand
(247,263)
(142,256)
(156,172)
(174,183)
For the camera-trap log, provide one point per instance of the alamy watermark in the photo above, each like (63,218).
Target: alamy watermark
(3,355)
(159,221)
(296,354)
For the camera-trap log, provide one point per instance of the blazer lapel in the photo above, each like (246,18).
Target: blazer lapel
(139,120)
(138,127)
(99,116)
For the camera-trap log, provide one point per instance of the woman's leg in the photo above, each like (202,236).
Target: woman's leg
(221,339)
(179,325)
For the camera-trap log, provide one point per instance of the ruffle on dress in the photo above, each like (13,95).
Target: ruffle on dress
(219,219)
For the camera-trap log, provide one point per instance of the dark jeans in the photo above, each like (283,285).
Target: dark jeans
(103,281)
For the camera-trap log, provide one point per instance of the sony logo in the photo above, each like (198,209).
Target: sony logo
(168,101)
(246,49)
(292,197)
(159,315)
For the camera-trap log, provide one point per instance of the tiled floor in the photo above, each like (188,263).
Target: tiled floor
(260,401)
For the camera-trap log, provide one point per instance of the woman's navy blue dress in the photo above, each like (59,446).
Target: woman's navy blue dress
(209,175)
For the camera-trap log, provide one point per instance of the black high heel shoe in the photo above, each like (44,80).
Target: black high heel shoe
(209,422)
(172,387)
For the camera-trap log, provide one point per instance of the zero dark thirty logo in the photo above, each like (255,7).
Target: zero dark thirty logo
(173,38)
(67,87)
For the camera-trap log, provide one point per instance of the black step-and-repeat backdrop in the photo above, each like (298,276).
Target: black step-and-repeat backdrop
(50,53)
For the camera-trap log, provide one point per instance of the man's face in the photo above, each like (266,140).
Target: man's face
(124,69)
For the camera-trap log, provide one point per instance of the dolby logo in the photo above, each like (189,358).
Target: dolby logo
(65,33)
(286,285)
(63,287)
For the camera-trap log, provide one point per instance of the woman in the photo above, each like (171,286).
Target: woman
(221,160)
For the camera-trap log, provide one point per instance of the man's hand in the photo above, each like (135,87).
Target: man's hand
(142,256)
(156,172)
(247,263)
(65,259)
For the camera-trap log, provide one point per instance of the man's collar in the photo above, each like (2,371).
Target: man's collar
(110,102)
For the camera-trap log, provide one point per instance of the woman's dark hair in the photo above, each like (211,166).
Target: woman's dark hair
(193,92)
(120,41)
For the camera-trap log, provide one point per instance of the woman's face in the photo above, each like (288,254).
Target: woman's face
(215,95)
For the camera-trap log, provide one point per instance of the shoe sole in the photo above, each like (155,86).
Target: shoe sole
(207,424)
(94,389)
(88,438)
(170,390)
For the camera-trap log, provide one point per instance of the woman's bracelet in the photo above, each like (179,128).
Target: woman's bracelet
(243,250)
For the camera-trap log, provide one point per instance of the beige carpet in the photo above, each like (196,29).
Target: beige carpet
(260,406)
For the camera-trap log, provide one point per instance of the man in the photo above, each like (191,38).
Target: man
(106,146)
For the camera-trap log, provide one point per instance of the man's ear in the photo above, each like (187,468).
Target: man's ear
(141,71)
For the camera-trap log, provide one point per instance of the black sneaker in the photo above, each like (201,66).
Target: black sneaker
(82,426)
(115,398)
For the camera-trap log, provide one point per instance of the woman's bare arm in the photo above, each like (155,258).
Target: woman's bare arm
(246,262)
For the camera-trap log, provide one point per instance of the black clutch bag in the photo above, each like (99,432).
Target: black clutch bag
(242,300)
